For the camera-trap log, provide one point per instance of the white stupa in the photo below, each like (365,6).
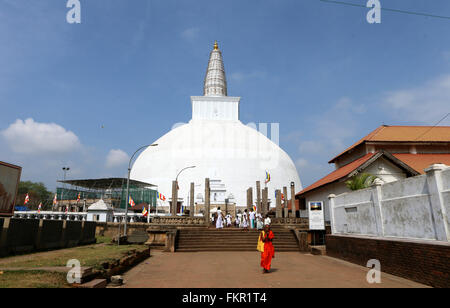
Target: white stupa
(233,155)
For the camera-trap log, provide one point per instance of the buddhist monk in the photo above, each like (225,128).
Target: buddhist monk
(267,236)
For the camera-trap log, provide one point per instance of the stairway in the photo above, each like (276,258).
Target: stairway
(231,240)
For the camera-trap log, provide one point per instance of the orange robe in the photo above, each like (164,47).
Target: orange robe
(269,251)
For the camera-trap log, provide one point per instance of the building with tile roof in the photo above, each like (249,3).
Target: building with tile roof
(389,152)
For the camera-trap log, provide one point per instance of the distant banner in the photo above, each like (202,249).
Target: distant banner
(316,215)
(9,183)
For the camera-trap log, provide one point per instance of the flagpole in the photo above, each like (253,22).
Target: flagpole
(128,186)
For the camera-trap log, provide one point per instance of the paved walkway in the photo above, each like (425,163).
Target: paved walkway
(241,270)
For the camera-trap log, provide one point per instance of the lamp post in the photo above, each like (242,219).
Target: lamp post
(128,185)
(65,169)
(175,191)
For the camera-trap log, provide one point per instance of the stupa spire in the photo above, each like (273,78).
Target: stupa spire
(215,80)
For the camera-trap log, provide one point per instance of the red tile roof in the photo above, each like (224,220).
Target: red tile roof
(297,205)
(338,174)
(386,133)
(420,162)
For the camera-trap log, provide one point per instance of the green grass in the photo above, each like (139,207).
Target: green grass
(33,279)
(89,256)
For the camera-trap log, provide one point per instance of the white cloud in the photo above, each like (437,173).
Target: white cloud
(331,132)
(190,33)
(244,76)
(30,137)
(116,158)
(425,104)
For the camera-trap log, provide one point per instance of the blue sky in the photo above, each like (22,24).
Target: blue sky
(87,95)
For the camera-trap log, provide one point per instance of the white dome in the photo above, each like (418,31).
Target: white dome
(233,156)
(229,151)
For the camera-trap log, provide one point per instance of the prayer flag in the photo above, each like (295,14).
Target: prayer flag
(131,202)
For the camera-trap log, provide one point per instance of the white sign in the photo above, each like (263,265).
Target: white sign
(316,215)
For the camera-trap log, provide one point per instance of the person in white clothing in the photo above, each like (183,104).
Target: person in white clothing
(238,219)
(245,220)
(252,217)
(259,221)
(219,222)
(267,220)
(228,220)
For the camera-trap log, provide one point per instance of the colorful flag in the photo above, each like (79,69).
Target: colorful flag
(55,200)
(27,199)
(144,212)
(161,197)
(131,202)
(267,177)
(254,208)
(39,207)
(79,197)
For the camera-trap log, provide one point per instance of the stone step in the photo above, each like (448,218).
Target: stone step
(95,284)
(233,249)
(232,234)
(232,242)
(319,250)
(253,238)
(234,246)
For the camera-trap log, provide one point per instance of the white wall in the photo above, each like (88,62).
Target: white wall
(416,207)
(382,168)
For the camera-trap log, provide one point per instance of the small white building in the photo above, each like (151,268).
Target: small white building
(100,212)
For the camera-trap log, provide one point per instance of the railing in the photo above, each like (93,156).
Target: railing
(290,220)
(178,220)
(51,215)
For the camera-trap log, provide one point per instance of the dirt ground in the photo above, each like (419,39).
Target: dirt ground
(242,270)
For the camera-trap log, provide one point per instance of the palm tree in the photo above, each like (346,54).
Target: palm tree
(361,181)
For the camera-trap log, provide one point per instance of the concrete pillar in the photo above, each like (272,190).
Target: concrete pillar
(249,198)
(285,203)
(438,208)
(332,218)
(191,199)
(174,198)
(293,207)
(377,196)
(258,197)
(265,205)
(278,204)
(207,202)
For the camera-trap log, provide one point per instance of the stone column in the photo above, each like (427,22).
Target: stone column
(258,197)
(332,218)
(192,204)
(378,210)
(278,204)
(437,201)
(207,202)
(293,207)
(174,198)
(285,203)
(249,198)
(265,205)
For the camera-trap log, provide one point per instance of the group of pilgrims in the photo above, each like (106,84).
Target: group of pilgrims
(243,220)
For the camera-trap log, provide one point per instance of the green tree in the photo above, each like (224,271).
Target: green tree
(37,192)
(360,181)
